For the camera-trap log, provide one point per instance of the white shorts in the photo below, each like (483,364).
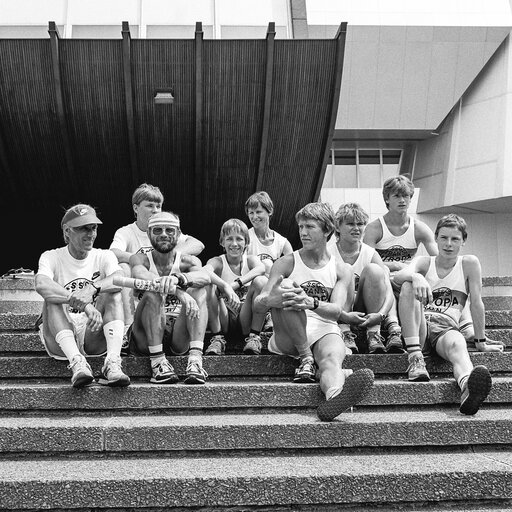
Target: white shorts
(79,323)
(315,330)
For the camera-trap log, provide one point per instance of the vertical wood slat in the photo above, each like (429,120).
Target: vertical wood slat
(198,168)
(59,98)
(128,93)
(341,36)
(269,76)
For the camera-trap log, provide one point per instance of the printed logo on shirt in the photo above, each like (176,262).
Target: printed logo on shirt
(144,250)
(264,257)
(445,299)
(316,289)
(397,253)
(76,285)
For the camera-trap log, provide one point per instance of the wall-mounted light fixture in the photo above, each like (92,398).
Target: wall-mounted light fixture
(164,96)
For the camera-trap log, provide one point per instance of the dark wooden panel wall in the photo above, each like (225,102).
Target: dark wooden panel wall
(78,124)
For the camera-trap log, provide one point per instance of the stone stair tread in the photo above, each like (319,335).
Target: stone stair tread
(213,432)
(42,366)
(229,394)
(243,481)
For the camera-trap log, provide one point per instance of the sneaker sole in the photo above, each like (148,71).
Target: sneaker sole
(212,353)
(82,381)
(252,352)
(357,387)
(479,385)
(395,349)
(304,379)
(420,378)
(378,350)
(194,379)
(122,382)
(173,379)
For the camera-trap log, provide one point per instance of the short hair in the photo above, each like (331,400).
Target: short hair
(321,212)
(147,192)
(236,225)
(259,198)
(397,185)
(353,211)
(452,220)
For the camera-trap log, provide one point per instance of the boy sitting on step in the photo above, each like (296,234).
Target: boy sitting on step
(373,293)
(236,281)
(434,292)
(305,291)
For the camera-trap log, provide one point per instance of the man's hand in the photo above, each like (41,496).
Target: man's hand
(94,320)
(188,302)
(371,319)
(352,317)
(166,284)
(488,346)
(282,292)
(232,299)
(80,298)
(422,290)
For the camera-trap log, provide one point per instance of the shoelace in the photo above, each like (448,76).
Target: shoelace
(195,367)
(415,364)
(165,365)
(307,367)
(80,362)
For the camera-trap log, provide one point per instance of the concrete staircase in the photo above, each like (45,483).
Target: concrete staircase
(249,439)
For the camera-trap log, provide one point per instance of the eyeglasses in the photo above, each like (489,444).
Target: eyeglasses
(168,231)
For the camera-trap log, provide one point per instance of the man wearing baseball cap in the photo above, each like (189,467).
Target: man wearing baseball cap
(82,313)
(177,314)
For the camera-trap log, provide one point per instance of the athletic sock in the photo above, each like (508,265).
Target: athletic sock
(392,324)
(413,346)
(113,332)
(196,350)
(67,343)
(156,354)
(332,392)
(462,381)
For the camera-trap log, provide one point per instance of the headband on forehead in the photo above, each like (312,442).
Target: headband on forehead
(163,219)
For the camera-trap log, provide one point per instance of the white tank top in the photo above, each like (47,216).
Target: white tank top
(315,282)
(400,248)
(172,303)
(266,252)
(364,258)
(229,276)
(450,293)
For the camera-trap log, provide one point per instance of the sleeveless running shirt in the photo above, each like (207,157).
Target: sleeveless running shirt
(266,252)
(450,293)
(315,282)
(400,248)
(229,276)
(365,258)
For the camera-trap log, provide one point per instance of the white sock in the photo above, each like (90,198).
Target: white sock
(67,343)
(196,349)
(332,392)
(156,354)
(462,381)
(113,332)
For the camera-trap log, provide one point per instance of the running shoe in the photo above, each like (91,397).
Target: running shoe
(163,373)
(217,346)
(477,388)
(306,371)
(394,343)
(82,373)
(356,388)
(349,338)
(417,371)
(112,374)
(195,373)
(375,343)
(252,344)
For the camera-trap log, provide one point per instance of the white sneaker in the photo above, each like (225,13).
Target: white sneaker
(195,373)
(112,373)
(82,373)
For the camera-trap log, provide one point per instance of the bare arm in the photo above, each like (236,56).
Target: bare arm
(256,268)
(287,249)
(122,256)
(473,274)
(373,233)
(191,246)
(415,273)
(424,235)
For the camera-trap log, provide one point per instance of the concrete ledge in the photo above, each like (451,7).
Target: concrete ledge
(14,367)
(22,283)
(497,281)
(19,396)
(20,341)
(250,481)
(227,432)
(499,302)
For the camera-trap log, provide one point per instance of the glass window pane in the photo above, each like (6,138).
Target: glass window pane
(345,176)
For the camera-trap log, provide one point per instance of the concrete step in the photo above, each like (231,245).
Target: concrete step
(137,434)
(42,366)
(294,480)
(26,321)
(229,394)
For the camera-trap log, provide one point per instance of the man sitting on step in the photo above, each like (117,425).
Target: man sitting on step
(177,314)
(434,292)
(82,314)
(305,291)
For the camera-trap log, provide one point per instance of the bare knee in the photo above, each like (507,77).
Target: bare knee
(199,295)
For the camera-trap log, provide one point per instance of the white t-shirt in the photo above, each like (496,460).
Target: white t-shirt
(133,240)
(73,274)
